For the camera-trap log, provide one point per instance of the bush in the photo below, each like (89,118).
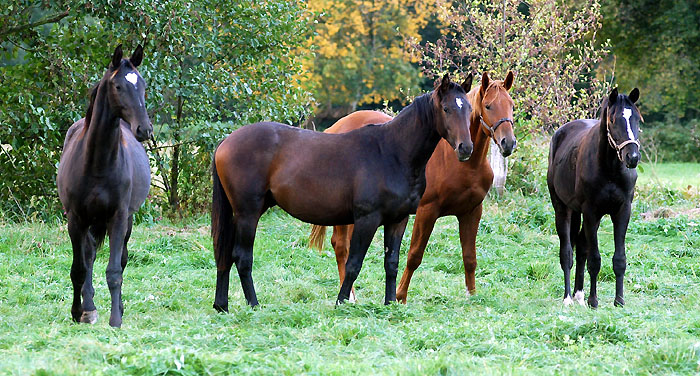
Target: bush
(671,141)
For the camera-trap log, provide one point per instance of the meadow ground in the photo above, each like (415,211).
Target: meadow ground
(515,324)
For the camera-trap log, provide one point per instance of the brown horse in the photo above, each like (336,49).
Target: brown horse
(453,188)
(103,178)
(370,177)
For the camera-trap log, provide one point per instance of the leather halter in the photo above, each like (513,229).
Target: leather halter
(492,130)
(618,147)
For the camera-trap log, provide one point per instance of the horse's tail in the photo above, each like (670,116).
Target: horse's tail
(221,224)
(317,237)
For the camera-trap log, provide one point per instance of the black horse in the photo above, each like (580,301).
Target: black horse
(103,178)
(592,171)
(371,176)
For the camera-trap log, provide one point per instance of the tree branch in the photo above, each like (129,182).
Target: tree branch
(20,28)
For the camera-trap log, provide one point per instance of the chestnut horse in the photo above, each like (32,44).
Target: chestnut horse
(370,177)
(592,172)
(453,188)
(103,178)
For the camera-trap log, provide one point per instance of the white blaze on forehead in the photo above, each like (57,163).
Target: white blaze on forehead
(132,77)
(627,113)
(459,102)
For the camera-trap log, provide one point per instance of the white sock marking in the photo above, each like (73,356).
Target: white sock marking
(459,102)
(352,298)
(578,297)
(568,301)
(133,78)
(627,113)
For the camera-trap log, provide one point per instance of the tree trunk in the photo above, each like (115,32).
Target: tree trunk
(499,166)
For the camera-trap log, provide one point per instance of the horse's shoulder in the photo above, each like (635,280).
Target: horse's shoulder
(73,130)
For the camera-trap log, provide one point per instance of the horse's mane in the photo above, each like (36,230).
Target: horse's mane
(93,95)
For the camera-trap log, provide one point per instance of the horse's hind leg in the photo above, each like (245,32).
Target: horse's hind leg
(620,221)
(362,234)
(341,244)
(77,233)
(590,227)
(118,229)
(245,227)
(562,218)
(578,237)
(393,233)
(422,228)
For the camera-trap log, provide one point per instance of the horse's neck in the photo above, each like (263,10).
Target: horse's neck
(479,136)
(606,155)
(414,136)
(103,135)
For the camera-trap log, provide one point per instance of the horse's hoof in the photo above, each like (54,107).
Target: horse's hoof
(115,322)
(89,317)
(619,302)
(220,308)
(578,298)
(592,302)
(568,301)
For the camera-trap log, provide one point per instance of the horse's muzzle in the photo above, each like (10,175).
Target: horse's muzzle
(464,151)
(632,159)
(507,146)
(144,133)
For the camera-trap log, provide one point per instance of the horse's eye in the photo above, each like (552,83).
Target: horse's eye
(118,87)
(447,110)
(488,107)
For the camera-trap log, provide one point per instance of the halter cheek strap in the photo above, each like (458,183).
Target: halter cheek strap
(618,148)
(492,130)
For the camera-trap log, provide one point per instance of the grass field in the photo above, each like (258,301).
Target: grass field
(674,175)
(515,324)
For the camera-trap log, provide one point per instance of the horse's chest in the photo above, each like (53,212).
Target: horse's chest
(95,199)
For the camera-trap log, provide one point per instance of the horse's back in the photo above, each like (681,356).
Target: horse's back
(563,158)
(358,119)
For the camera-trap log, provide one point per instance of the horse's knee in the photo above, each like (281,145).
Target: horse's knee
(470,266)
(114,278)
(619,265)
(413,260)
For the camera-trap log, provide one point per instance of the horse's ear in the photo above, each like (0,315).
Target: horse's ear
(508,83)
(634,95)
(467,84)
(117,57)
(612,98)
(445,83)
(484,82)
(137,56)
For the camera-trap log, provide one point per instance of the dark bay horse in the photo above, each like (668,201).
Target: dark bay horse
(592,172)
(453,188)
(370,177)
(103,178)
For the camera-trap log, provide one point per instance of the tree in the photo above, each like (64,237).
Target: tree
(210,67)
(549,44)
(359,56)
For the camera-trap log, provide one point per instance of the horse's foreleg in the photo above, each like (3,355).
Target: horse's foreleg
(620,221)
(245,227)
(118,229)
(341,244)
(393,233)
(422,228)
(90,252)
(362,234)
(77,233)
(468,227)
(590,228)
(562,218)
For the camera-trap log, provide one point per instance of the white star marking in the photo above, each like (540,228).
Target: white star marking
(133,78)
(627,113)
(459,102)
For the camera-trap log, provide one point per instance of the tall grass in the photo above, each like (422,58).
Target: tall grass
(516,322)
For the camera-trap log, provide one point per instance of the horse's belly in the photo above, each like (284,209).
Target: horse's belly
(315,206)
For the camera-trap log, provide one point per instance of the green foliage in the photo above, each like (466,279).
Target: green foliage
(204,62)
(550,45)
(657,48)
(527,167)
(671,141)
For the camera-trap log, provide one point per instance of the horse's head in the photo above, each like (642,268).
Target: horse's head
(126,92)
(622,119)
(453,114)
(495,110)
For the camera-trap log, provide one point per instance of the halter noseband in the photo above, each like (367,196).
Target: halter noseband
(492,130)
(618,148)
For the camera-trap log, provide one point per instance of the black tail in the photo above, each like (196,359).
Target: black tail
(221,224)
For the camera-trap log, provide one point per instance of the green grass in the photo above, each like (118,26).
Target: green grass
(516,324)
(673,175)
